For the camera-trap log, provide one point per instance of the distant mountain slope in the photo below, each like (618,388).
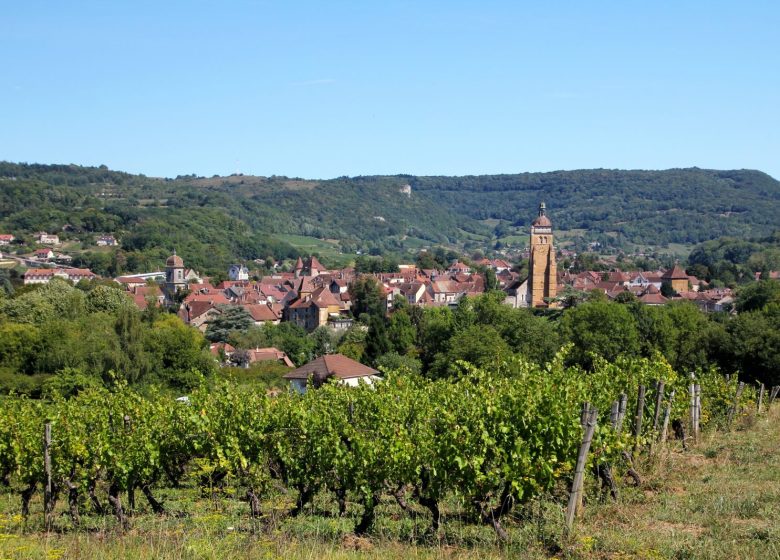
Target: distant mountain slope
(212,221)
(652,207)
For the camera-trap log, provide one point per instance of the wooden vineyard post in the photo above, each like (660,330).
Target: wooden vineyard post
(692,409)
(584,418)
(640,408)
(614,414)
(48,501)
(579,471)
(733,409)
(659,397)
(667,414)
(622,411)
(760,397)
(697,398)
(772,396)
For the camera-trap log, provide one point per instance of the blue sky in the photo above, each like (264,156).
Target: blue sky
(323,89)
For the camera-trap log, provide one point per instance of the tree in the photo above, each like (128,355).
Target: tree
(179,353)
(753,346)
(626,297)
(377,342)
(322,339)
(491,282)
(18,346)
(401,332)
(135,360)
(230,319)
(367,296)
(106,299)
(599,328)
(479,345)
(353,343)
(758,294)
(435,329)
(690,336)
(392,361)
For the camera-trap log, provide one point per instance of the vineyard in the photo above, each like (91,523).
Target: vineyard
(486,441)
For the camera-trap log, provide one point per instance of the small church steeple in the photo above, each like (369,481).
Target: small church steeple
(542,211)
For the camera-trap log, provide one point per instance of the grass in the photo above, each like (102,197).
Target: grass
(721,499)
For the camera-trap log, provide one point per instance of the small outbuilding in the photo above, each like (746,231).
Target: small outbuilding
(346,370)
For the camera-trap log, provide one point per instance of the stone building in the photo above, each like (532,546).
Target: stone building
(542,271)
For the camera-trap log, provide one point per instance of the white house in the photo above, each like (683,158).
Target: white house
(44,238)
(238,272)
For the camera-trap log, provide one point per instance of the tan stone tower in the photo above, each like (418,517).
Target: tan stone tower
(542,279)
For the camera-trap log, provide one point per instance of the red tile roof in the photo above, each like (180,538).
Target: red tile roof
(675,273)
(261,312)
(336,365)
(269,355)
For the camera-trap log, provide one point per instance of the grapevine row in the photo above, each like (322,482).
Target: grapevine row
(491,439)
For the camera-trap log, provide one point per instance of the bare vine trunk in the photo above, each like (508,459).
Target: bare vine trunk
(305,494)
(27,495)
(341,499)
(97,506)
(254,502)
(431,505)
(493,516)
(116,502)
(73,502)
(156,505)
(369,514)
(679,432)
(604,473)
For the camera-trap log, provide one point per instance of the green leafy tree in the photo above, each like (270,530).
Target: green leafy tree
(758,294)
(230,319)
(106,299)
(367,296)
(479,345)
(599,328)
(377,341)
(401,332)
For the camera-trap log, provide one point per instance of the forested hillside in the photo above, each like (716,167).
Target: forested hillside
(213,221)
(643,207)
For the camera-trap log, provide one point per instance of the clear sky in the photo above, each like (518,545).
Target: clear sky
(330,88)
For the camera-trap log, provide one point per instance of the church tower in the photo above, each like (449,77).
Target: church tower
(542,279)
(174,275)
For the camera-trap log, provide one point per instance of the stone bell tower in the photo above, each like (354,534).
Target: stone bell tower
(542,278)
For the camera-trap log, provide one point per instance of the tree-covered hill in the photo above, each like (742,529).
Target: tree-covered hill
(212,221)
(643,207)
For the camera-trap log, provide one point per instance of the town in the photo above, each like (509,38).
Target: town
(312,296)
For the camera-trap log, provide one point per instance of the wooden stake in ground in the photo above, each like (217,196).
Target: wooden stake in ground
(48,502)
(692,409)
(667,414)
(659,397)
(614,414)
(733,409)
(579,471)
(640,408)
(772,396)
(697,425)
(584,418)
(760,396)
(622,411)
